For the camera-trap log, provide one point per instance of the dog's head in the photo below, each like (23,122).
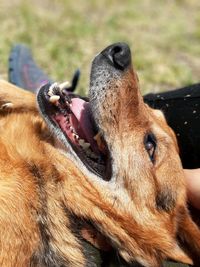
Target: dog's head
(142,147)
(129,153)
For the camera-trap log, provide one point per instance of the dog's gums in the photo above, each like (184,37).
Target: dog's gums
(72,115)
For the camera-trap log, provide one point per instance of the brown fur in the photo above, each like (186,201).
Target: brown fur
(40,187)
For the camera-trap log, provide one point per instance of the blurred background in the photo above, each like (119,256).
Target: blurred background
(164,36)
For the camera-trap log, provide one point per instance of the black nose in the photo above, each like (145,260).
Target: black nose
(119,55)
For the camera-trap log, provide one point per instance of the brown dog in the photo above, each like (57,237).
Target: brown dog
(58,175)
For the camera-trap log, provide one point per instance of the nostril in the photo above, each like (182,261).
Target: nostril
(114,54)
(117,49)
(119,58)
(119,55)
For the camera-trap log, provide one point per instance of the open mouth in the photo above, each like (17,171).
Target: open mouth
(70,117)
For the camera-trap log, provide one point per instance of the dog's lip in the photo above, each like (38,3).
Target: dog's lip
(49,111)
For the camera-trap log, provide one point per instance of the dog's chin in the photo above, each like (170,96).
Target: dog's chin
(71,121)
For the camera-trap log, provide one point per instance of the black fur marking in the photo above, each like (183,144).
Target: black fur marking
(45,256)
(93,256)
(165,200)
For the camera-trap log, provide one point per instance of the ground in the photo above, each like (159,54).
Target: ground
(164,37)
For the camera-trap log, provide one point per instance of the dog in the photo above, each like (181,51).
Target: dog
(106,171)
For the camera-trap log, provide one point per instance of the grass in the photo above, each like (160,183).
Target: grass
(64,35)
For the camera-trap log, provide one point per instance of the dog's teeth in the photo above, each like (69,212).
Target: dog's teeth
(71,129)
(84,144)
(81,142)
(50,93)
(8,105)
(52,88)
(67,103)
(86,147)
(76,136)
(91,154)
(54,98)
(64,85)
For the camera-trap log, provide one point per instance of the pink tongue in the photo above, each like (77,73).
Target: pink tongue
(80,109)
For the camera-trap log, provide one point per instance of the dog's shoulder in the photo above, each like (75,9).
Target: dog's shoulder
(13,97)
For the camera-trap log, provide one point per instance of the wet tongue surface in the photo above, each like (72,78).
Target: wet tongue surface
(81,111)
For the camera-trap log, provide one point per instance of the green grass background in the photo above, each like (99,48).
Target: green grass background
(164,36)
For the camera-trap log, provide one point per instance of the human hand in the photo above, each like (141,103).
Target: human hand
(193,186)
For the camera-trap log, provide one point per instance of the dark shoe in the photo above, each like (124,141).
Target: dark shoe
(23,71)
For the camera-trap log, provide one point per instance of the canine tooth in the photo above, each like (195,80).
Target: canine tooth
(64,85)
(54,98)
(52,87)
(50,93)
(8,105)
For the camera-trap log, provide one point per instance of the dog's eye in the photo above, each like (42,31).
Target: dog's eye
(150,145)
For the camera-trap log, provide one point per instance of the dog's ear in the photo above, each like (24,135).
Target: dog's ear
(15,98)
(188,237)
